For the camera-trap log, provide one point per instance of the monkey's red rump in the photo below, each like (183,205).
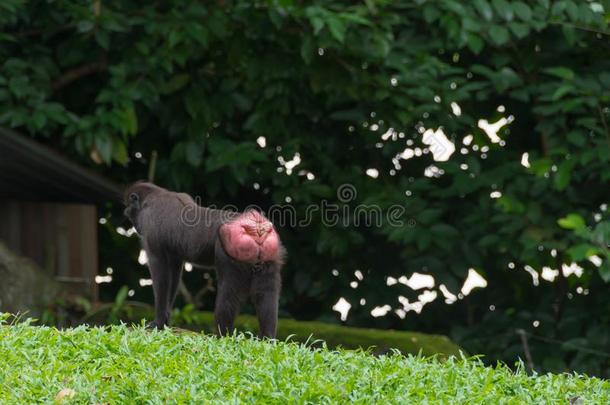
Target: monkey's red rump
(250,238)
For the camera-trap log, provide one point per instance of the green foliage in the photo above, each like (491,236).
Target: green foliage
(135,365)
(596,242)
(199,82)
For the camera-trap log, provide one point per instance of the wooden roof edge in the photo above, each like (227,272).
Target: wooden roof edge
(59,165)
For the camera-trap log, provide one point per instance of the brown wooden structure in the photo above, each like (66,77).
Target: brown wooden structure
(48,211)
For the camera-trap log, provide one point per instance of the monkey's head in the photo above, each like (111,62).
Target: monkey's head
(134,197)
(139,191)
(132,206)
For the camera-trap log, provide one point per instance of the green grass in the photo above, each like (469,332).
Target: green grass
(379,341)
(120,365)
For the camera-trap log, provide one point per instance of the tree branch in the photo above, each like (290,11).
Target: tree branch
(579,27)
(41,31)
(526,348)
(79,72)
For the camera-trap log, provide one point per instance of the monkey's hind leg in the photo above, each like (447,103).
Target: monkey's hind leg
(265,295)
(232,291)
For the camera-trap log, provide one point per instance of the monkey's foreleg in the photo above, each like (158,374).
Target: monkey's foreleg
(175,266)
(161,276)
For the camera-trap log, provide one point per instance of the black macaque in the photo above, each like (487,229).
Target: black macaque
(244,247)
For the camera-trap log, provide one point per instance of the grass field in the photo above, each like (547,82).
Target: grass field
(120,365)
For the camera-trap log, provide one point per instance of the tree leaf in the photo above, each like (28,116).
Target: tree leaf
(85,26)
(194,153)
(582,252)
(577,138)
(572,221)
(471,25)
(522,10)
(503,8)
(39,120)
(564,174)
(484,9)
(307,49)
(175,83)
(119,153)
(337,28)
(131,121)
(317,23)
(431,12)
(423,240)
(103,145)
(562,72)
(519,29)
(475,43)
(562,91)
(499,35)
(428,216)
(102,38)
(444,230)
(540,166)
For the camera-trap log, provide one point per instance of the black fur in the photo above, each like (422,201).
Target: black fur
(174,229)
